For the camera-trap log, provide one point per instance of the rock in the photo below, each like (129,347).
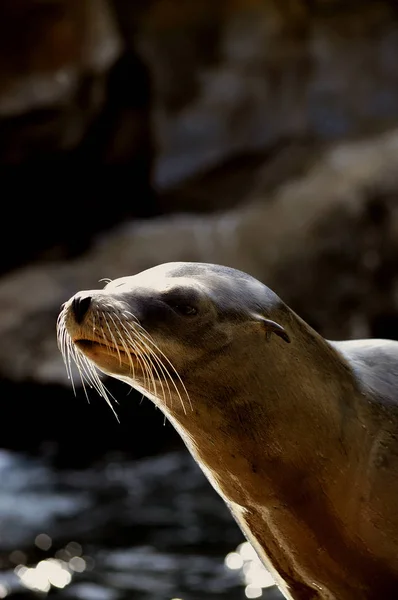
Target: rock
(71,99)
(326,242)
(46,50)
(94,82)
(237,76)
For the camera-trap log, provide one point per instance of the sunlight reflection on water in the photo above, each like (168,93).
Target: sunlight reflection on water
(155,529)
(254,574)
(52,572)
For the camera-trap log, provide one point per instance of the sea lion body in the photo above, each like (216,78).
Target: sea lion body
(298,435)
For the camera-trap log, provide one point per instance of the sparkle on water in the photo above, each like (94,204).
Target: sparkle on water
(47,573)
(52,572)
(255,575)
(58,572)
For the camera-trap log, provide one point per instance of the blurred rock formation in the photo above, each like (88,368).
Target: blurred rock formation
(204,92)
(234,77)
(326,242)
(74,105)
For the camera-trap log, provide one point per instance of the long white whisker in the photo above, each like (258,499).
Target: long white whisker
(140,355)
(151,357)
(150,340)
(115,331)
(87,371)
(114,340)
(164,373)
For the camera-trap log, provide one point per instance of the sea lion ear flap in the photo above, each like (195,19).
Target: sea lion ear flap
(273,327)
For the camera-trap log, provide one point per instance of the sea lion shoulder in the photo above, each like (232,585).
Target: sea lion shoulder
(374,364)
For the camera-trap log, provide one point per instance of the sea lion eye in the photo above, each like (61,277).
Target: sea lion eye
(185,309)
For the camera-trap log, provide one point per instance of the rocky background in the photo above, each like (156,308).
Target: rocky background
(258,134)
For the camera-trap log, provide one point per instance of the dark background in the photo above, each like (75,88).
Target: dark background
(253,133)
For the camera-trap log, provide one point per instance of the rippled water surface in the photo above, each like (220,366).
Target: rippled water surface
(150,529)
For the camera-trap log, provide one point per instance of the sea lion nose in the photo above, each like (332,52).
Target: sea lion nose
(80,305)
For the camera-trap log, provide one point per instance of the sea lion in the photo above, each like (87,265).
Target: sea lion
(298,435)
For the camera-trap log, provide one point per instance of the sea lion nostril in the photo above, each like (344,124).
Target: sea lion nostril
(80,306)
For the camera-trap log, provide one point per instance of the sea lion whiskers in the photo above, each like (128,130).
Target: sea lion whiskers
(153,356)
(144,359)
(149,338)
(62,335)
(143,335)
(113,339)
(89,368)
(135,349)
(133,341)
(127,351)
(140,356)
(104,336)
(87,372)
(66,346)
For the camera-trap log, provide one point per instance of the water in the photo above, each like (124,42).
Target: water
(121,529)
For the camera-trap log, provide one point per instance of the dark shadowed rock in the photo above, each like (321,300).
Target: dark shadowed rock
(74,126)
(47,51)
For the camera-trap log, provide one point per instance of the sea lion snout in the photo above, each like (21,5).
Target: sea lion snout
(80,304)
(88,310)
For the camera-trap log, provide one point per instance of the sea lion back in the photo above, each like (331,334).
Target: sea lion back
(375,365)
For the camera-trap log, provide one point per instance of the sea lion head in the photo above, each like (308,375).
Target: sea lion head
(159,328)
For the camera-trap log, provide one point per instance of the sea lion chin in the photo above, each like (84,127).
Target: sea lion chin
(299,435)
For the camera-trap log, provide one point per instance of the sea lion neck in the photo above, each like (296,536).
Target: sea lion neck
(304,384)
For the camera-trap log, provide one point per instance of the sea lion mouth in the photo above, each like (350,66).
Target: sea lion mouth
(118,345)
(92,348)
(86,344)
